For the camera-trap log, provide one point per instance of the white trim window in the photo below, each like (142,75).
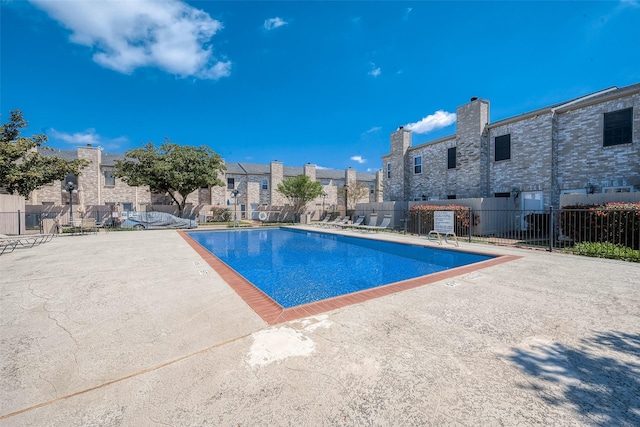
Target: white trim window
(417,165)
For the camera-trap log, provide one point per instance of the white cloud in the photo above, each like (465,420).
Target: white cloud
(358,159)
(126,35)
(375,71)
(407,11)
(89,136)
(437,120)
(373,130)
(273,23)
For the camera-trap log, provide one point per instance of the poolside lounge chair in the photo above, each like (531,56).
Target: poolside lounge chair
(341,223)
(373,220)
(24,240)
(356,223)
(323,222)
(7,245)
(334,222)
(386,221)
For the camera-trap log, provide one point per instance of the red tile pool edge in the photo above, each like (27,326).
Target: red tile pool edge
(273,313)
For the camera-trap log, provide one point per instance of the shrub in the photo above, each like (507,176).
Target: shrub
(607,250)
(422,215)
(219,215)
(616,223)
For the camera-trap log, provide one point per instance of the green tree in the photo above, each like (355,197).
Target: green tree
(176,170)
(22,168)
(300,190)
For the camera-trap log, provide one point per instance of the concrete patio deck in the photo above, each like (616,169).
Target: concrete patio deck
(135,329)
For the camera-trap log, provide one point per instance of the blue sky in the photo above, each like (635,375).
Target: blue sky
(299,82)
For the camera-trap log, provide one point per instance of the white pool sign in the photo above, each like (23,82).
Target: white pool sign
(443,221)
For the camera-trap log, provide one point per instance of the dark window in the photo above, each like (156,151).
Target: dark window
(451,196)
(388,170)
(507,194)
(417,164)
(451,158)
(109,179)
(503,147)
(264,184)
(127,207)
(231,183)
(617,127)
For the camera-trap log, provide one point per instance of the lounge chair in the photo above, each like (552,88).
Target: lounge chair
(373,220)
(334,222)
(356,223)
(323,222)
(9,243)
(341,223)
(386,221)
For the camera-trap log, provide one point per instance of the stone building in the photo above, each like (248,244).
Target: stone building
(586,145)
(256,186)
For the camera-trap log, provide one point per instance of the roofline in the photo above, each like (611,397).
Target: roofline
(582,102)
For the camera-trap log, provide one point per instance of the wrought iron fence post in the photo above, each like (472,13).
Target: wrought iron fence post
(470,223)
(419,221)
(551,228)
(19,223)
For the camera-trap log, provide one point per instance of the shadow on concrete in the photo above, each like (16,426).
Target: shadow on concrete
(600,379)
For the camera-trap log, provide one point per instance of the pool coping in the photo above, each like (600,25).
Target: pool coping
(273,313)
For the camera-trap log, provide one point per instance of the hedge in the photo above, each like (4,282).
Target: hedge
(616,223)
(423,215)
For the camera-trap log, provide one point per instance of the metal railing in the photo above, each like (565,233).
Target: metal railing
(593,232)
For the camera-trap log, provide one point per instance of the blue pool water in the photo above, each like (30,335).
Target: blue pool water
(297,267)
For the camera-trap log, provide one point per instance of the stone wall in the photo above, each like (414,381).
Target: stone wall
(397,186)
(471,121)
(436,180)
(552,149)
(582,157)
(530,165)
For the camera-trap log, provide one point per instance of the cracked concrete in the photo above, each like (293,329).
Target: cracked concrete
(125,329)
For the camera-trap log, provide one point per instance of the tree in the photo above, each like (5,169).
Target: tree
(300,190)
(354,194)
(22,168)
(176,170)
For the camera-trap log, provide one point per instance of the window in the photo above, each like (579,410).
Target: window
(451,196)
(264,184)
(231,183)
(388,170)
(417,164)
(627,189)
(48,203)
(127,207)
(507,194)
(503,147)
(109,180)
(617,127)
(451,158)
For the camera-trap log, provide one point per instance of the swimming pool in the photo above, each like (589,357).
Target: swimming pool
(296,267)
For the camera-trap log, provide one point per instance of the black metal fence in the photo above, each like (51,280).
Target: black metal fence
(613,233)
(592,232)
